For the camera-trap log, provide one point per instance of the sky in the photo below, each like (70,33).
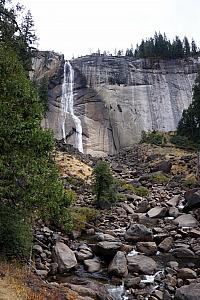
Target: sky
(79,27)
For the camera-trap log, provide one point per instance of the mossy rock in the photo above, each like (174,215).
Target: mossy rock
(159,178)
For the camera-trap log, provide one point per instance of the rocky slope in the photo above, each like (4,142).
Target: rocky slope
(142,248)
(118,97)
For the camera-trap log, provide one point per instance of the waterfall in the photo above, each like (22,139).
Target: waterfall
(67,106)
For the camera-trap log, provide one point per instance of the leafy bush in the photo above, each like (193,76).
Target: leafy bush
(139,191)
(121,197)
(184,142)
(29,182)
(15,233)
(190,181)
(103,185)
(61,215)
(159,177)
(82,215)
(154,138)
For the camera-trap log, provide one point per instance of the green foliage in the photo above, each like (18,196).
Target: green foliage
(103,185)
(42,87)
(29,180)
(139,191)
(183,142)
(121,197)
(153,138)
(15,232)
(82,215)
(18,37)
(190,181)
(160,46)
(189,125)
(159,178)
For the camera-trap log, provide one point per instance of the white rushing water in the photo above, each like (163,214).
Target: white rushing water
(118,292)
(67,106)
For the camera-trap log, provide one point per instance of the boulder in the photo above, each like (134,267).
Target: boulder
(157,212)
(164,166)
(141,264)
(192,198)
(138,233)
(107,248)
(148,248)
(84,254)
(188,292)
(132,282)
(118,266)
(166,244)
(92,265)
(174,201)
(142,207)
(64,257)
(183,252)
(186,273)
(186,220)
(128,208)
(173,212)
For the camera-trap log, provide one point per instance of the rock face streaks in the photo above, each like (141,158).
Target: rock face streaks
(116,98)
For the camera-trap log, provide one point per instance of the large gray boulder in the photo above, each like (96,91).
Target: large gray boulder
(193,200)
(64,257)
(118,266)
(92,265)
(107,248)
(138,233)
(188,292)
(186,220)
(157,212)
(141,264)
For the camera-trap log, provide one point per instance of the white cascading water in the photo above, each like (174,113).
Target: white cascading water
(67,106)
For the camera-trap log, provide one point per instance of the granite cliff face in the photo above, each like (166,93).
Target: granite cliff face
(116,98)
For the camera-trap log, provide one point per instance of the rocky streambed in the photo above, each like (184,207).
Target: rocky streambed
(141,248)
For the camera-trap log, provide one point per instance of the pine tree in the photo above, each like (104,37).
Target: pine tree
(186,47)
(189,124)
(194,48)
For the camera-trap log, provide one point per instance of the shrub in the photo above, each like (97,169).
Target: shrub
(159,177)
(183,142)
(103,185)
(62,213)
(190,181)
(139,191)
(29,182)
(154,138)
(15,233)
(121,197)
(82,215)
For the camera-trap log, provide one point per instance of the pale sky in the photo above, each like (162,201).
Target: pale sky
(78,27)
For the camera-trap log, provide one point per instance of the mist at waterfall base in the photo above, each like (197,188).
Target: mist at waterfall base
(67,106)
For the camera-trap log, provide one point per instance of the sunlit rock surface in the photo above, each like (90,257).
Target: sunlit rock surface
(116,98)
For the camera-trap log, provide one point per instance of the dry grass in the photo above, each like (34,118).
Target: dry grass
(71,166)
(17,283)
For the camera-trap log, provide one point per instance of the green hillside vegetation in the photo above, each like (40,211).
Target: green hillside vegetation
(30,186)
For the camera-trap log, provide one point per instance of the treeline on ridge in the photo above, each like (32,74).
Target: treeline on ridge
(159,46)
